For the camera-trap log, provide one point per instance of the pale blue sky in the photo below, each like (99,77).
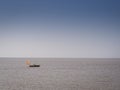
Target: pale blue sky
(60,28)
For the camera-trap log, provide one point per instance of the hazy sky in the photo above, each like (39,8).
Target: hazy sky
(60,28)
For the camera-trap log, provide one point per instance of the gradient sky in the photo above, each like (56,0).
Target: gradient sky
(60,28)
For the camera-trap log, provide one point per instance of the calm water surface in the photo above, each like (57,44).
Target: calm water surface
(60,74)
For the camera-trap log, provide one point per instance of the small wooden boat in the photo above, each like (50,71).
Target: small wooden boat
(31,65)
(34,65)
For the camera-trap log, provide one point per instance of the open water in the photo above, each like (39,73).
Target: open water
(60,74)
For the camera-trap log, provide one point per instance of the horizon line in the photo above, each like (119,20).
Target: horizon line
(66,57)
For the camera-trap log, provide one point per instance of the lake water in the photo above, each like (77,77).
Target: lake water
(60,74)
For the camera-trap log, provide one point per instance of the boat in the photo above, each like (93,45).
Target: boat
(34,65)
(31,65)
